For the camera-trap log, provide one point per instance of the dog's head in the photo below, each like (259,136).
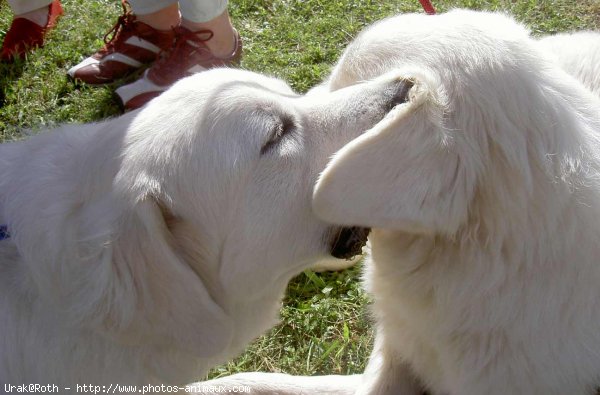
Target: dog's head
(490,127)
(195,212)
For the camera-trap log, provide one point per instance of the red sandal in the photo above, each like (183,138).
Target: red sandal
(25,35)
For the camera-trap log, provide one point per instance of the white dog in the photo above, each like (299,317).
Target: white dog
(483,194)
(148,248)
(486,224)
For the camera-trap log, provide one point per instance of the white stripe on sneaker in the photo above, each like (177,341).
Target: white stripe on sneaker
(85,62)
(119,57)
(141,43)
(196,69)
(142,85)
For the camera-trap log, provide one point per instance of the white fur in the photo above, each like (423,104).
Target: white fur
(150,247)
(483,193)
(578,54)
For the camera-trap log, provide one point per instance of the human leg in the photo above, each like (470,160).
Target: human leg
(213,16)
(199,45)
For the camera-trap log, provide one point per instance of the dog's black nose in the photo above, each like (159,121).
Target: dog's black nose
(349,242)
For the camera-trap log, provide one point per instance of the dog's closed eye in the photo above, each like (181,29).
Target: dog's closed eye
(280,127)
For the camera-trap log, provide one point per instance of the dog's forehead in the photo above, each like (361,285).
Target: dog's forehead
(250,103)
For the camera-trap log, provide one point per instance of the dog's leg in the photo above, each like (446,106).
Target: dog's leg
(387,374)
(279,384)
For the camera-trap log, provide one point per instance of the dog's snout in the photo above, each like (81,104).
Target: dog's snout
(399,92)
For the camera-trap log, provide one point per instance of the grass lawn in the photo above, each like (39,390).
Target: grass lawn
(325,324)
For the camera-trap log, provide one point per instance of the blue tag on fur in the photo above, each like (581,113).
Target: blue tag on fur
(4,233)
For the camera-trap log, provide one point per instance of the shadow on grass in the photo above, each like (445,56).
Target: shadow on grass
(9,74)
(100,102)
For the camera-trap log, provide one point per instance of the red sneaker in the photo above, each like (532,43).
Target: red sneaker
(25,35)
(133,45)
(189,55)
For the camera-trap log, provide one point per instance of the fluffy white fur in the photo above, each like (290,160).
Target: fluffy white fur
(578,54)
(150,247)
(484,199)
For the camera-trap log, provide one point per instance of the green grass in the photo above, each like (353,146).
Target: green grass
(325,329)
(325,326)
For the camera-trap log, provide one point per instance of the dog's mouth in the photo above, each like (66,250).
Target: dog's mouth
(348,242)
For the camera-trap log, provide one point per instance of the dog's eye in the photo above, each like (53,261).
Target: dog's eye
(280,128)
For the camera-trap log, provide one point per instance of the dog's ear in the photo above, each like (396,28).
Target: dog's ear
(105,253)
(170,301)
(401,174)
(130,278)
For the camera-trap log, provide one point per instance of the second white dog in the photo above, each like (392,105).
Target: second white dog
(486,240)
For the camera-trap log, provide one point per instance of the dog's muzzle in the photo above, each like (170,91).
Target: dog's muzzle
(348,242)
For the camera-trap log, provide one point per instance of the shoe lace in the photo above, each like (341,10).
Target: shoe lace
(180,52)
(123,24)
